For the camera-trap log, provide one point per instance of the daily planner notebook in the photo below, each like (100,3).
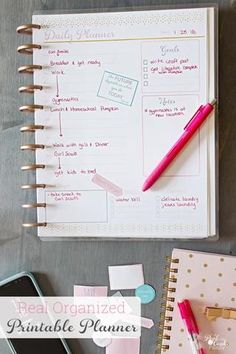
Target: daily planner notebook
(206,280)
(112,93)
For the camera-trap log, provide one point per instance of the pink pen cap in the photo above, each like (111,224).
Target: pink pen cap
(191,315)
(185,316)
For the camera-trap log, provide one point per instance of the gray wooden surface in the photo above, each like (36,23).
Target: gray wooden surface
(60,265)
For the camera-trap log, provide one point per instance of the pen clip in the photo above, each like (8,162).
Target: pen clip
(195,114)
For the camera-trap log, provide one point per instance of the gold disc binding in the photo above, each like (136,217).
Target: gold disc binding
(35,205)
(35,224)
(28,48)
(32,167)
(32,147)
(27,29)
(29,69)
(30,88)
(33,186)
(31,128)
(30,107)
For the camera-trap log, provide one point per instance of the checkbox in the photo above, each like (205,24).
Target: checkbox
(145,69)
(145,76)
(145,83)
(145,62)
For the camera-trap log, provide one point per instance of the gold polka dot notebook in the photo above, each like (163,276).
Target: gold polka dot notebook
(208,281)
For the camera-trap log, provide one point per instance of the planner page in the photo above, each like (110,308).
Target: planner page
(118,90)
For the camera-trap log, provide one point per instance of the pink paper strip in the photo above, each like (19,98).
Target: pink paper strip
(124,346)
(107,185)
(147,322)
(80,290)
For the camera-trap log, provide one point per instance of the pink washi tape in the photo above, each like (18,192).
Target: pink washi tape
(107,185)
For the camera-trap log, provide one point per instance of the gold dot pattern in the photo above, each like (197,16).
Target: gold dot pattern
(203,280)
(233,299)
(189,271)
(220,274)
(201,295)
(222,259)
(187,285)
(218,290)
(122,19)
(205,265)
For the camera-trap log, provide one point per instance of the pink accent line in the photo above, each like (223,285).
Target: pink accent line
(107,185)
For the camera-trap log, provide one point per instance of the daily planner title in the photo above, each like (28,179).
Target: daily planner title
(76,35)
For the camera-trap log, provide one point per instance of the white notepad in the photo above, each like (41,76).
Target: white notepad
(118,89)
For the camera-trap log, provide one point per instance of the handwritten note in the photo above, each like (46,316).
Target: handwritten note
(177,61)
(170,114)
(118,88)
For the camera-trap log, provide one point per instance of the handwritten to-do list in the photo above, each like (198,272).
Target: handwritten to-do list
(118,90)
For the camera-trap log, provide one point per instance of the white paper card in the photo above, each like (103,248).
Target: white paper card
(126,276)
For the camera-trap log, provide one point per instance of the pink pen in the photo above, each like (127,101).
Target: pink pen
(189,130)
(191,326)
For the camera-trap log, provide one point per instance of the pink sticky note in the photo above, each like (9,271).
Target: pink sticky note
(124,346)
(80,290)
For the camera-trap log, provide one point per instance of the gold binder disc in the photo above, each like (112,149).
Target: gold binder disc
(29,69)
(30,88)
(35,205)
(31,128)
(35,224)
(28,48)
(33,186)
(27,29)
(32,147)
(32,167)
(30,107)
